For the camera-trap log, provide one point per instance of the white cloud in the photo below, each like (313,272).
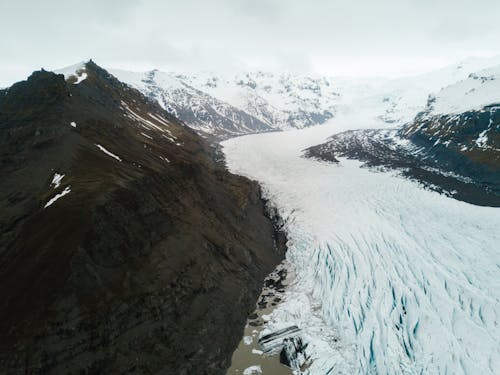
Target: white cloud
(354,37)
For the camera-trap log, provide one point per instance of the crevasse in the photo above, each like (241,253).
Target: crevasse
(390,278)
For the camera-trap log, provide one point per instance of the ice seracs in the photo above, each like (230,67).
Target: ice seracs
(390,278)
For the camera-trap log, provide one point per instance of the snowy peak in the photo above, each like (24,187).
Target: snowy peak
(74,73)
(478,90)
(209,116)
(226,106)
(114,208)
(221,106)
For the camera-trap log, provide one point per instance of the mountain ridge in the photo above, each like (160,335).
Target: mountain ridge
(121,235)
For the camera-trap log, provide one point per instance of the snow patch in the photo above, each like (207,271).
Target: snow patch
(77,71)
(252,370)
(108,152)
(80,77)
(67,190)
(482,139)
(56,180)
(73,124)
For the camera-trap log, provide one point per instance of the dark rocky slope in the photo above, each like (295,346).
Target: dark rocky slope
(455,154)
(152,261)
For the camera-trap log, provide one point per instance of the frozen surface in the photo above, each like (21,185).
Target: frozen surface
(391,278)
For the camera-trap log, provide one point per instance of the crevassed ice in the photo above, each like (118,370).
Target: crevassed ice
(391,278)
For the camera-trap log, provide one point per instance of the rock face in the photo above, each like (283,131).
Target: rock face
(124,246)
(223,106)
(455,154)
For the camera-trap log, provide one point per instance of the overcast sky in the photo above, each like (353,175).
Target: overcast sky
(348,37)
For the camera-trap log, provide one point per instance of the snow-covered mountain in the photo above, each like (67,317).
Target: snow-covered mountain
(114,216)
(234,105)
(453,145)
(398,101)
(390,277)
(204,113)
(227,105)
(478,90)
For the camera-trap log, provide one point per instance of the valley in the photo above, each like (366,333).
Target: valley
(390,277)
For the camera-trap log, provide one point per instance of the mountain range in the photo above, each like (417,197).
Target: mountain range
(123,232)
(120,233)
(451,146)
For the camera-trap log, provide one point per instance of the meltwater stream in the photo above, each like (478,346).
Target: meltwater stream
(390,278)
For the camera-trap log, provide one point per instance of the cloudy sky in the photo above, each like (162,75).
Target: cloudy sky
(348,37)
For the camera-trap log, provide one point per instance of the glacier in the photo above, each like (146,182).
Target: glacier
(391,278)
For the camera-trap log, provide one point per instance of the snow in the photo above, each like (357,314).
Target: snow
(147,124)
(108,152)
(473,93)
(247,340)
(77,71)
(257,351)
(73,124)
(391,278)
(482,139)
(252,370)
(80,77)
(67,190)
(284,101)
(56,180)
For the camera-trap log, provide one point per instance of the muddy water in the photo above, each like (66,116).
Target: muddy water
(249,352)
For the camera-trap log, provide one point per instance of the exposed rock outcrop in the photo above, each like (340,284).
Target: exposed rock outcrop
(124,246)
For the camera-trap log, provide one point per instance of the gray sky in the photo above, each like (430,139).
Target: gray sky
(348,37)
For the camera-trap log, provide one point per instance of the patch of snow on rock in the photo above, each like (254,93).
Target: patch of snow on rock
(108,152)
(252,370)
(67,190)
(56,180)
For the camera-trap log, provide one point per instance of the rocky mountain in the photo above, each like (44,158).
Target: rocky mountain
(209,116)
(222,105)
(226,106)
(124,246)
(453,146)
(397,101)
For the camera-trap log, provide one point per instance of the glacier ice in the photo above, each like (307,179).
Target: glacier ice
(391,278)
